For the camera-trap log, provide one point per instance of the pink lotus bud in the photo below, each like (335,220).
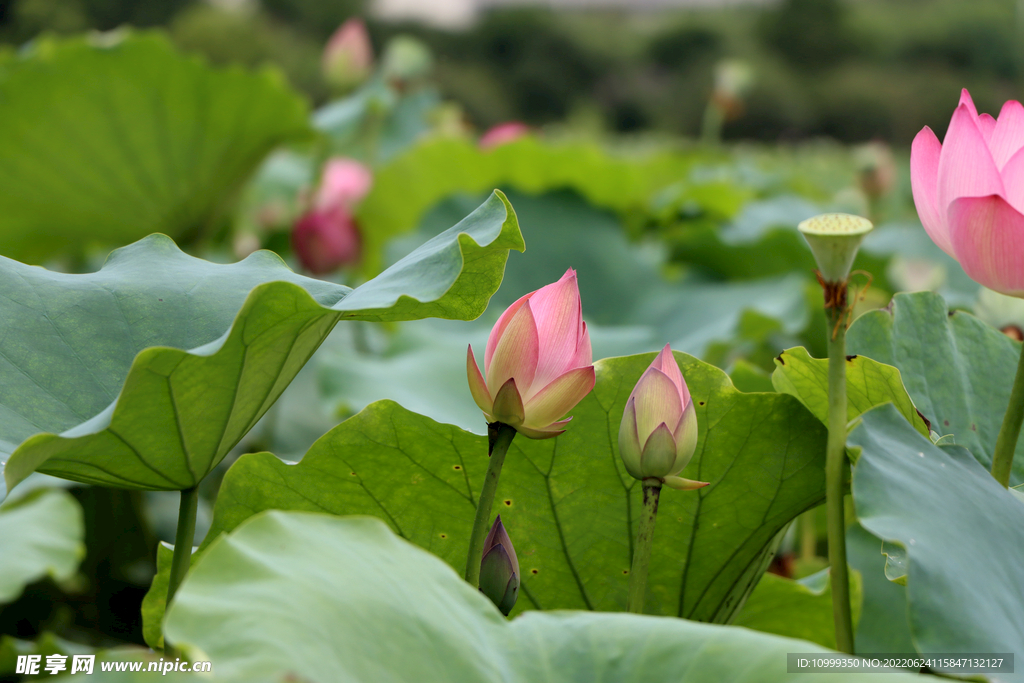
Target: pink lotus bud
(658,433)
(537,362)
(499,569)
(343,184)
(503,133)
(969,192)
(325,239)
(348,56)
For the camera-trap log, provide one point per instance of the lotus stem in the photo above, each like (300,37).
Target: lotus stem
(835,463)
(642,551)
(183,539)
(499,437)
(1006,442)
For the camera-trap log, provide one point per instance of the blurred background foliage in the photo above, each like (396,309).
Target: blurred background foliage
(850,70)
(620,172)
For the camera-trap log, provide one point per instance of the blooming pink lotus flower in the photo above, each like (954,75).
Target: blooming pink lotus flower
(503,133)
(658,433)
(344,183)
(969,192)
(348,55)
(537,362)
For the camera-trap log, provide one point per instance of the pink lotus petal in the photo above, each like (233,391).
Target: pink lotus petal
(666,362)
(499,328)
(541,433)
(924,182)
(516,353)
(557,310)
(1013,181)
(966,168)
(559,397)
(477,385)
(503,133)
(685,435)
(584,354)
(681,484)
(988,238)
(1008,137)
(326,240)
(629,443)
(965,99)
(986,124)
(657,400)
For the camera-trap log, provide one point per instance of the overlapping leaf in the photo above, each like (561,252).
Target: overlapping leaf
(957,369)
(41,534)
(343,599)
(963,534)
(568,504)
(109,138)
(146,373)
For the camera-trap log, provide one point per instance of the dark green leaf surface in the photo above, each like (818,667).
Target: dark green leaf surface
(868,384)
(146,373)
(957,369)
(567,503)
(963,534)
(344,599)
(109,138)
(41,534)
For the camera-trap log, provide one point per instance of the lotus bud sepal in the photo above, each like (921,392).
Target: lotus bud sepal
(499,569)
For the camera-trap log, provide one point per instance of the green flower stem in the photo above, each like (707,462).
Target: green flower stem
(1006,442)
(642,551)
(499,437)
(808,535)
(835,462)
(183,539)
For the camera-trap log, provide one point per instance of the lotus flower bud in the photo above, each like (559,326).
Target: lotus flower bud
(503,133)
(406,59)
(658,433)
(969,192)
(537,363)
(326,239)
(348,56)
(499,569)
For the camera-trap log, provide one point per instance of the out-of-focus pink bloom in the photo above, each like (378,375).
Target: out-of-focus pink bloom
(348,55)
(658,433)
(503,133)
(344,183)
(326,239)
(537,362)
(969,192)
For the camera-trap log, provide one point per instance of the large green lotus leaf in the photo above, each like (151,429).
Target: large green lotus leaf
(146,373)
(331,599)
(868,384)
(883,625)
(962,531)
(568,504)
(409,186)
(41,534)
(797,609)
(957,369)
(109,138)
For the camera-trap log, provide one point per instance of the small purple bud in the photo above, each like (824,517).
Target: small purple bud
(499,569)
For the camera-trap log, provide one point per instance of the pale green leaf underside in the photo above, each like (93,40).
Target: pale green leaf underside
(344,599)
(568,503)
(41,534)
(962,532)
(798,609)
(107,139)
(957,369)
(868,384)
(147,372)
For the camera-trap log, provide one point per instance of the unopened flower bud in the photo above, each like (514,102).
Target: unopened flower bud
(348,56)
(499,569)
(658,433)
